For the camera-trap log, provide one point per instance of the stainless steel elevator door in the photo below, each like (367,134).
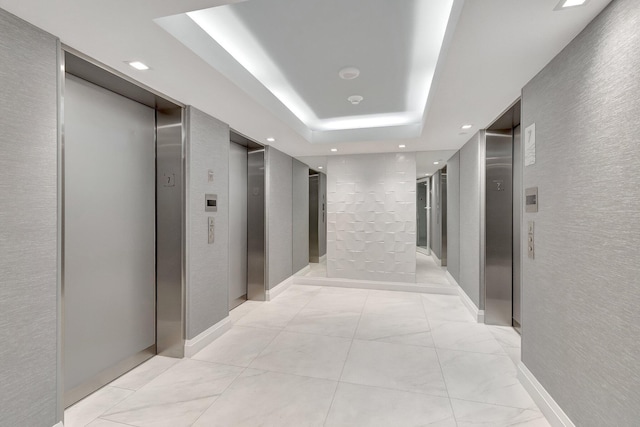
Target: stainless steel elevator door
(256,239)
(421,214)
(498,231)
(517,222)
(237,225)
(109,236)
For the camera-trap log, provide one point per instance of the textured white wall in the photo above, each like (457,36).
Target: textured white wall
(371,207)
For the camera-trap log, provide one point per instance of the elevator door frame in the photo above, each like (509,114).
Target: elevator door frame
(169,215)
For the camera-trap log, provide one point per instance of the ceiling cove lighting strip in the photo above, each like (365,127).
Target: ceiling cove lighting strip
(225,27)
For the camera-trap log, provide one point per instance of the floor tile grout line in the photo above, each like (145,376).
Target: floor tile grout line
(219,396)
(498,404)
(401,390)
(345,360)
(106,410)
(444,380)
(117,422)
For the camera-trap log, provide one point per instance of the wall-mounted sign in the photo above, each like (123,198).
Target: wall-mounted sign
(530,145)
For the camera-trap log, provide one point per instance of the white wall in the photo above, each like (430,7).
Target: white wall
(371,207)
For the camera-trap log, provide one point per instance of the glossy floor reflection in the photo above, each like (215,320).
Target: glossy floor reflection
(321,356)
(427,271)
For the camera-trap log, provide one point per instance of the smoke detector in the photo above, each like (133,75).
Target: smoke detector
(349,73)
(355,99)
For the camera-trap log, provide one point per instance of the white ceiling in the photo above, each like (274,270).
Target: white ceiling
(496,47)
(287,55)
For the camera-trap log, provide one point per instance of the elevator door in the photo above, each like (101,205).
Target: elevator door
(237,225)
(517,221)
(498,228)
(109,236)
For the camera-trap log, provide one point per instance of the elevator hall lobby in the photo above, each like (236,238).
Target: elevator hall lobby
(298,213)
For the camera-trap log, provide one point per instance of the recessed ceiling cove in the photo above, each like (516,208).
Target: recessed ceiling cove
(289,54)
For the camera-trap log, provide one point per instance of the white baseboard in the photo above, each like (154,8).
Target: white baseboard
(475,312)
(435,258)
(375,285)
(59,424)
(193,346)
(304,270)
(554,413)
(270,294)
(424,251)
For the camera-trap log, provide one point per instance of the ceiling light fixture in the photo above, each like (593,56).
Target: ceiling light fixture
(319,167)
(436,163)
(401,146)
(349,73)
(467,126)
(271,139)
(138,65)
(333,150)
(565,4)
(355,99)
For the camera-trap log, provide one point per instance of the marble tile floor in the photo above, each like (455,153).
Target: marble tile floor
(322,356)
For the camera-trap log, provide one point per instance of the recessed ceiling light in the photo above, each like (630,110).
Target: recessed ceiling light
(349,73)
(426,174)
(564,4)
(401,146)
(319,167)
(271,139)
(138,65)
(334,150)
(355,99)
(436,163)
(467,126)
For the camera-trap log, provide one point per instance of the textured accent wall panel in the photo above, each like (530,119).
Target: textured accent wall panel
(279,216)
(453,216)
(28,224)
(371,228)
(581,293)
(300,202)
(470,163)
(207,264)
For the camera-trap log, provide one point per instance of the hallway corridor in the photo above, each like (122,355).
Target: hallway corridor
(322,356)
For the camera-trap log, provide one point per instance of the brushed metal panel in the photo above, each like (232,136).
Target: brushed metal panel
(170,243)
(498,228)
(436,215)
(300,215)
(453,216)
(580,295)
(237,223)
(109,232)
(518,203)
(322,215)
(107,375)
(256,245)
(421,214)
(443,218)
(28,224)
(314,215)
(279,202)
(207,264)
